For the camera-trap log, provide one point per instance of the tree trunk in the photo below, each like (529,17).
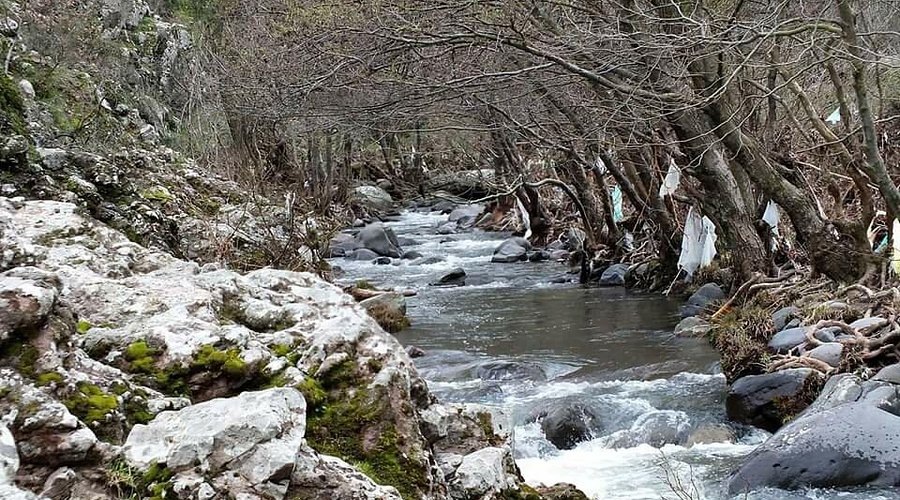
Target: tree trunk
(724,201)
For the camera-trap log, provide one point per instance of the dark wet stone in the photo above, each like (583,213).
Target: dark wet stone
(761,400)
(851,441)
(701,299)
(362,254)
(614,275)
(415,352)
(456,277)
(785,340)
(411,255)
(380,239)
(566,426)
(783,316)
(512,250)
(509,370)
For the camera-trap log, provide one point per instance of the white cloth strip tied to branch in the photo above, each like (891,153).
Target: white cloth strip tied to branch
(771,217)
(671,182)
(895,253)
(526,219)
(698,247)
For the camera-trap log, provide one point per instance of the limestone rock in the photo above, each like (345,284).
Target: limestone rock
(9,456)
(254,435)
(484,473)
(373,197)
(322,477)
(27,295)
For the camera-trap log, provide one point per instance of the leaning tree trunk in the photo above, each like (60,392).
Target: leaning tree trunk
(724,202)
(840,256)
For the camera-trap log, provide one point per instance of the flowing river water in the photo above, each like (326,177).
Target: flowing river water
(511,338)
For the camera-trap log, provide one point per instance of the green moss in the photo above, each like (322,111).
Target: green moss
(312,391)
(90,403)
(129,482)
(48,378)
(228,362)
(336,426)
(26,357)
(364,285)
(82,327)
(12,108)
(158,193)
(524,492)
(390,318)
(141,357)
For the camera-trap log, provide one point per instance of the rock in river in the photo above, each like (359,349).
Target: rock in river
(456,277)
(849,437)
(614,275)
(512,250)
(380,239)
(566,426)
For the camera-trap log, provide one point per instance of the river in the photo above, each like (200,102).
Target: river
(511,338)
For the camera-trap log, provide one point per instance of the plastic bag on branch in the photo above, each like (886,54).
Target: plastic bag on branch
(698,247)
(672,180)
(771,217)
(895,253)
(616,196)
(526,219)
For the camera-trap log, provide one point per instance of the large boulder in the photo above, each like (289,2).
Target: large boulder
(380,239)
(512,250)
(614,275)
(849,437)
(766,400)
(486,473)
(565,426)
(373,198)
(342,244)
(254,435)
(701,299)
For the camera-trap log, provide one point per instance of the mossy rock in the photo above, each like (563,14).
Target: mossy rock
(90,403)
(348,420)
(12,108)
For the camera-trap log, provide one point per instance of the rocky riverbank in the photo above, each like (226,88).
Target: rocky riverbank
(128,371)
(817,365)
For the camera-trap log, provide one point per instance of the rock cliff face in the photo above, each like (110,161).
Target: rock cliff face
(127,369)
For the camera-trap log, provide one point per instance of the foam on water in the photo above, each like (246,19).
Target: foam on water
(604,348)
